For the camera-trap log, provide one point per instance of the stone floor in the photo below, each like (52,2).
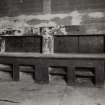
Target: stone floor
(27,92)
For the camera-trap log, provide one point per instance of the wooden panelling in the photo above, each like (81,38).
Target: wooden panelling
(59,5)
(3,7)
(18,7)
(13,44)
(79,44)
(23,44)
(32,44)
(65,44)
(32,6)
(91,44)
(67,5)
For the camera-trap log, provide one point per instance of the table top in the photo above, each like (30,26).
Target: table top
(57,55)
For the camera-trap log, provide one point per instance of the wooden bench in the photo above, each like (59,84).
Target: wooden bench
(42,62)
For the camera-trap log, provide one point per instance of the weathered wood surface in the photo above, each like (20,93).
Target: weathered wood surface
(79,43)
(23,43)
(56,55)
(42,62)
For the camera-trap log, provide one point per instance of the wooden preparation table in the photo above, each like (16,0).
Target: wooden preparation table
(42,62)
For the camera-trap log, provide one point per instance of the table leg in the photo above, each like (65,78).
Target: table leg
(15,72)
(71,75)
(41,74)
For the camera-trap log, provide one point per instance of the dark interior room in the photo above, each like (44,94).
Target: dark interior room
(52,52)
